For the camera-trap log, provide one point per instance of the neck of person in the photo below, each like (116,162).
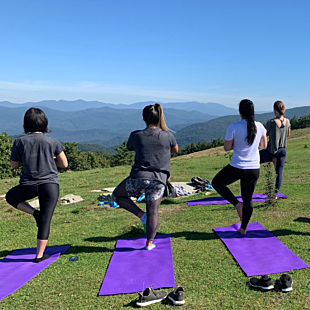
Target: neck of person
(151,126)
(278,116)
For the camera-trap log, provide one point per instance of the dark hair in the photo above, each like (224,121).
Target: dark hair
(35,120)
(246,110)
(154,115)
(279,107)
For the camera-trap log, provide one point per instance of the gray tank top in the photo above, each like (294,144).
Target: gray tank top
(277,135)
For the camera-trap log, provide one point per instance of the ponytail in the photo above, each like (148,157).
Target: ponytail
(246,110)
(154,115)
(279,107)
(162,123)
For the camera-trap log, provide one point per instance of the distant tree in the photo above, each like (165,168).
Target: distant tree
(122,156)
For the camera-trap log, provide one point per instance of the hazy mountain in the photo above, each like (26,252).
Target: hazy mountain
(107,126)
(216,128)
(214,109)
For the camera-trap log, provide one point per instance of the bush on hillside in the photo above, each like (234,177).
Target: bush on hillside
(5,153)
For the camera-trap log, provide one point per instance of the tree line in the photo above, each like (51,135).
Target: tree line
(79,160)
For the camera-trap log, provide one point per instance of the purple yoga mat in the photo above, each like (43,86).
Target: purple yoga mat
(132,268)
(258,252)
(222,201)
(18,268)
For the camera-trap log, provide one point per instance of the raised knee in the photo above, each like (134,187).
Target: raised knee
(10,200)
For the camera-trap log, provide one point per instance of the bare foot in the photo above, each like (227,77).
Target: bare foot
(239,208)
(242,231)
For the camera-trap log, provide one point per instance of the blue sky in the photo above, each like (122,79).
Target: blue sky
(126,51)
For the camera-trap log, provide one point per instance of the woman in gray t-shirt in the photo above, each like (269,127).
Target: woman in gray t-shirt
(38,155)
(278,130)
(153,147)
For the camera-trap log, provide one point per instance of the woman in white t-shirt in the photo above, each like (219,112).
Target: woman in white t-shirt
(244,138)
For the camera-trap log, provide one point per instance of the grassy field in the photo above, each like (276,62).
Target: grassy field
(202,264)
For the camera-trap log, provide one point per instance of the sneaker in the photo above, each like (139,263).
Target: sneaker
(177,296)
(150,247)
(149,297)
(143,219)
(286,283)
(264,283)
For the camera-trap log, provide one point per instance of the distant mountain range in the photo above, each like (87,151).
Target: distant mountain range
(214,109)
(94,122)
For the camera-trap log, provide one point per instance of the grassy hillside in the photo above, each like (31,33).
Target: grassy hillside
(202,264)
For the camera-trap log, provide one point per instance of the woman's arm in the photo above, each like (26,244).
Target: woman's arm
(15,164)
(228,145)
(175,149)
(61,160)
(262,143)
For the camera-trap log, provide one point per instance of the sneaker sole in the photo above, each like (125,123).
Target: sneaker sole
(147,303)
(176,302)
(267,288)
(288,289)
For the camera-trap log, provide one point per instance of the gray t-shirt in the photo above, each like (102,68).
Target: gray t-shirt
(153,153)
(277,135)
(36,152)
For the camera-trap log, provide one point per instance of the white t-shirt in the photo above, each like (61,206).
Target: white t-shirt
(245,156)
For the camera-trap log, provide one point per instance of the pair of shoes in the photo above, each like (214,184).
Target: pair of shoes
(39,260)
(266,283)
(149,297)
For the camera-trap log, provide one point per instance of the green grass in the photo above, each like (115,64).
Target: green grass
(202,264)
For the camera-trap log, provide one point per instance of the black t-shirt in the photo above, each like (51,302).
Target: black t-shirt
(36,152)
(153,153)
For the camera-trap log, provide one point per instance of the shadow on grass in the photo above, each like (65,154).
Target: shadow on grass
(5,253)
(302,220)
(195,235)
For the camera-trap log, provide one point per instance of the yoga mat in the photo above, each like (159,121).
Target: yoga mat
(258,252)
(222,201)
(132,268)
(18,268)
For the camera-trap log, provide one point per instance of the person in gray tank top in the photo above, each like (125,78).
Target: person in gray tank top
(153,147)
(278,130)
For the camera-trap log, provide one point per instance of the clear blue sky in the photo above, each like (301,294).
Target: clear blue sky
(172,50)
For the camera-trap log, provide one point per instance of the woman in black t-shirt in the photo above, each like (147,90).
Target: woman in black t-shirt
(153,147)
(39,156)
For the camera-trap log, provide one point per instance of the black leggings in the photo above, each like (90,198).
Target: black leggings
(48,196)
(248,179)
(280,155)
(122,198)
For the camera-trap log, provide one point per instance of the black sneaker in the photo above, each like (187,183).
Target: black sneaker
(177,296)
(264,283)
(149,297)
(286,283)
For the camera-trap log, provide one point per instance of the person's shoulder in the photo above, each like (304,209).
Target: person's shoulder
(50,139)
(260,125)
(136,132)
